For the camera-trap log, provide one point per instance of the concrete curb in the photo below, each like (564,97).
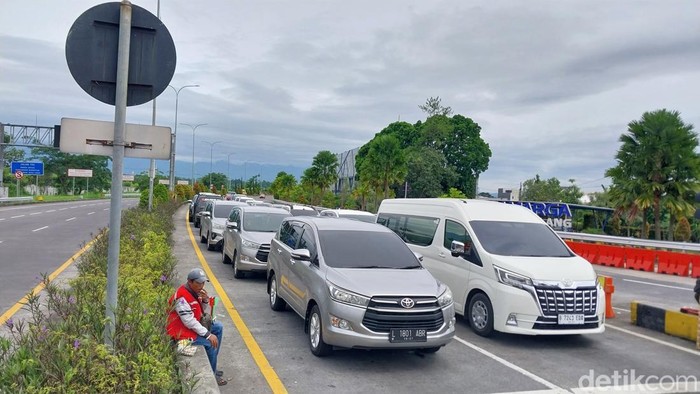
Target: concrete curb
(197,374)
(677,324)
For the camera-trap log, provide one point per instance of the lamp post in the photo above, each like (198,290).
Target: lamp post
(174,136)
(211,158)
(194,128)
(228,169)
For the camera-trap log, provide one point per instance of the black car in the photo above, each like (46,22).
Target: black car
(198,204)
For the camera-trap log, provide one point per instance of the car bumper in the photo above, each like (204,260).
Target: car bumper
(362,338)
(248,261)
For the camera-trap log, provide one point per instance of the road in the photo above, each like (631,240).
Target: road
(36,239)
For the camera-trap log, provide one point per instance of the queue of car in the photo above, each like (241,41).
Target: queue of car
(395,280)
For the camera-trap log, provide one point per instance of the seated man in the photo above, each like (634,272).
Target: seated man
(187,305)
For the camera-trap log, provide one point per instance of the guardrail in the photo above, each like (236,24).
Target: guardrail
(15,199)
(627,241)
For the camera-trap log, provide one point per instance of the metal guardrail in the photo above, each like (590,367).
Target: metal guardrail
(15,199)
(627,241)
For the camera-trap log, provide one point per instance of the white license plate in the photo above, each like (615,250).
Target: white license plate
(571,319)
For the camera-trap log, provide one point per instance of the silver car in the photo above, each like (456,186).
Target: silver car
(247,237)
(357,285)
(213,222)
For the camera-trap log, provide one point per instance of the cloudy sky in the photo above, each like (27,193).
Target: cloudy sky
(552,84)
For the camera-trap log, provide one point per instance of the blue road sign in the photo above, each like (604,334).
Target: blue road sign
(27,167)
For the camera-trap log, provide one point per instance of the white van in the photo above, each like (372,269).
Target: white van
(507,269)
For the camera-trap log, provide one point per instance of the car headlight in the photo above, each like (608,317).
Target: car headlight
(249,244)
(511,278)
(347,297)
(445,298)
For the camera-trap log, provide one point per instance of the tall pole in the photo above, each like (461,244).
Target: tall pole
(194,128)
(152,166)
(211,159)
(2,160)
(115,209)
(228,169)
(174,136)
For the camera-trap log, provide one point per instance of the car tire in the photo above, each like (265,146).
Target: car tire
(224,257)
(209,245)
(429,350)
(315,329)
(480,315)
(276,303)
(190,217)
(238,274)
(202,238)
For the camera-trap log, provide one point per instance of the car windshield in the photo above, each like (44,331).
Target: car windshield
(519,239)
(362,218)
(264,222)
(222,211)
(365,249)
(304,212)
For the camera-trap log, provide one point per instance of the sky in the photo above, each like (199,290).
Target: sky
(552,84)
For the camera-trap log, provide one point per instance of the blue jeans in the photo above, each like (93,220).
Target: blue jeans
(216,329)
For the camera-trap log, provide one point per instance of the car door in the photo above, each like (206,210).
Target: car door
(205,222)
(301,272)
(455,271)
(290,234)
(229,235)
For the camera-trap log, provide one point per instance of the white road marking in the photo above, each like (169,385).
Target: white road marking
(622,309)
(90,213)
(1,219)
(660,342)
(68,220)
(15,217)
(39,229)
(35,213)
(105,209)
(63,209)
(656,284)
(51,210)
(512,366)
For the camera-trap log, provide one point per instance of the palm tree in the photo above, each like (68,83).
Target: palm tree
(657,160)
(384,164)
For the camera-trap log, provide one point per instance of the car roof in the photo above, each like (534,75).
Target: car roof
(227,202)
(348,212)
(262,208)
(324,223)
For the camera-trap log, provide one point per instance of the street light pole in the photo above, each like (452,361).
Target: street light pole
(211,159)
(194,128)
(228,169)
(174,136)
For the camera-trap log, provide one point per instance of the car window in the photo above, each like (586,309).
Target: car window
(308,242)
(289,234)
(362,218)
(378,250)
(235,215)
(417,230)
(222,211)
(263,221)
(519,239)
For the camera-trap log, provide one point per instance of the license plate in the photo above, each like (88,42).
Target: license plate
(571,319)
(408,335)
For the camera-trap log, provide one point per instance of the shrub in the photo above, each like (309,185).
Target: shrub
(61,348)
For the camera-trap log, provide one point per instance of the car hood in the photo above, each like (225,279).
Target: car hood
(387,282)
(258,237)
(548,268)
(219,221)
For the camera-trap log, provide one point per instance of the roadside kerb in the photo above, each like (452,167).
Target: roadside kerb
(674,323)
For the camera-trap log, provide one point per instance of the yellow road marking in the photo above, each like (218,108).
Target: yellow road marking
(38,288)
(265,368)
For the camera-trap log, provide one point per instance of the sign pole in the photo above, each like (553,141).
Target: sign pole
(115,217)
(17,187)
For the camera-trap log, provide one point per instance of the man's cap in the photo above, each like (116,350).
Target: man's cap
(197,275)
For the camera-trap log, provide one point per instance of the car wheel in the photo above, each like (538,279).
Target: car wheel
(209,245)
(202,238)
(224,257)
(428,350)
(238,274)
(276,303)
(196,223)
(481,315)
(190,217)
(318,347)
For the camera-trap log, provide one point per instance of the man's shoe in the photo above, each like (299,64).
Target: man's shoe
(219,373)
(221,381)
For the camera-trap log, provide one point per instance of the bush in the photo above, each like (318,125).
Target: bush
(61,348)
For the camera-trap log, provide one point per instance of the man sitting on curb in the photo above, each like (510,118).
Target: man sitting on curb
(185,315)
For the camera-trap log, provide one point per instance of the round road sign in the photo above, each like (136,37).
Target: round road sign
(19,174)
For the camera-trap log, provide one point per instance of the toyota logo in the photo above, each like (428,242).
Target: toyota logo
(407,303)
(567,283)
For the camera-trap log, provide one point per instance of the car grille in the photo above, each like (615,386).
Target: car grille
(555,300)
(550,323)
(384,313)
(263,252)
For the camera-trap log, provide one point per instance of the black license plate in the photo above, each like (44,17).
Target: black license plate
(408,335)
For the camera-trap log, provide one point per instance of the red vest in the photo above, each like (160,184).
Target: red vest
(175,327)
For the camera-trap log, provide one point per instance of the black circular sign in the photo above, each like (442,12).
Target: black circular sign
(92,47)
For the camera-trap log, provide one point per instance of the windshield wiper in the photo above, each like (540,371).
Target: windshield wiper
(410,267)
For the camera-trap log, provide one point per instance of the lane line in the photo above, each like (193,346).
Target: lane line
(656,284)
(1,219)
(51,210)
(264,366)
(35,213)
(38,288)
(39,229)
(15,217)
(62,209)
(90,213)
(512,366)
(660,342)
(69,219)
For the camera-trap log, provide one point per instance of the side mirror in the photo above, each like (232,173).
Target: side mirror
(189,201)
(301,254)
(459,248)
(206,214)
(418,256)
(231,225)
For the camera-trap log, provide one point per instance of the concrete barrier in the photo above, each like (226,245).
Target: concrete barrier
(196,373)
(677,324)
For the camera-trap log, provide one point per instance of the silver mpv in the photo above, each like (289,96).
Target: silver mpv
(357,285)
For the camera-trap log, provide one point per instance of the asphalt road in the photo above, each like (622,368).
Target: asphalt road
(36,239)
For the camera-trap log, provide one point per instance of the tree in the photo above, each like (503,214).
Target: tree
(283,185)
(385,163)
(326,164)
(213,180)
(656,161)
(57,164)
(467,153)
(433,107)
(427,172)
(536,189)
